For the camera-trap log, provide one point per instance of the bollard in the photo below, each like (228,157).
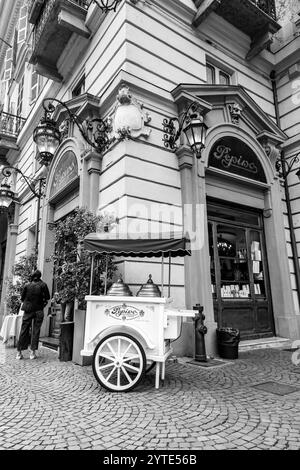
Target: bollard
(200,331)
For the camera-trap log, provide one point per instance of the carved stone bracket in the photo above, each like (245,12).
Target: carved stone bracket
(129,119)
(235,112)
(64,129)
(270,144)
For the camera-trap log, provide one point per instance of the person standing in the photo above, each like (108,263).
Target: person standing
(35,296)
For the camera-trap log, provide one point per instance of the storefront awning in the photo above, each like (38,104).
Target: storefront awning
(140,245)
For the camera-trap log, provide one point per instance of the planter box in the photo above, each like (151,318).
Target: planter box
(66,341)
(78,339)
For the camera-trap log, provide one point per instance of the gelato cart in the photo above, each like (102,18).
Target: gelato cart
(128,335)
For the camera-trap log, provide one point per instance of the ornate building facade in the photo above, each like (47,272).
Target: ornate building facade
(145,62)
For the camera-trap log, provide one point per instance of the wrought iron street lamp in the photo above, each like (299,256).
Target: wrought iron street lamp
(192,124)
(48,137)
(8,195)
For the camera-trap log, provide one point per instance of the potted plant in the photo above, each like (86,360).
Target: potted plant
(72,263)
(21,274)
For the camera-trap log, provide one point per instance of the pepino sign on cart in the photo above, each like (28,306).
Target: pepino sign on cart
(124,312)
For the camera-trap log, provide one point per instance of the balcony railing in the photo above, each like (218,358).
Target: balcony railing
(267,6)
(10,125)
(35,7)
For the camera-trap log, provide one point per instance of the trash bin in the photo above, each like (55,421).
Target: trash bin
(228,342)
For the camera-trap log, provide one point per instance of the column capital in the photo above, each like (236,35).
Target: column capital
(93,161)
(185,157)
(13,228)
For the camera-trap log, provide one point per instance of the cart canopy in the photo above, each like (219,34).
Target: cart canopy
(140,245)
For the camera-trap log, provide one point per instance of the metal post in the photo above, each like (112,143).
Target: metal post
(106,271)
(92,272)
(162,275)
(200,331)
(169,286)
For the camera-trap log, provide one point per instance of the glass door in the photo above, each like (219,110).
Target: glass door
(239,275)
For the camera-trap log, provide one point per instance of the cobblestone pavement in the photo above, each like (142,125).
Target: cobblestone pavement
(47,404)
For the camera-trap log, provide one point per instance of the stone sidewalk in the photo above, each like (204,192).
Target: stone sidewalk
(47,404)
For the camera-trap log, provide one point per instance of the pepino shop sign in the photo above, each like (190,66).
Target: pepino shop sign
(234,156)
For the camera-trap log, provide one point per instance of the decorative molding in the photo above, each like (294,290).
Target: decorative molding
(128,119)
(217,95)
(235,112)
(270,144)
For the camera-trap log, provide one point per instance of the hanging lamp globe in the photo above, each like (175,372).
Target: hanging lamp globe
(6,197)
(47,138)
(195,130)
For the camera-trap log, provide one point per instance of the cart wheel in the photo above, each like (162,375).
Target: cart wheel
(113,361)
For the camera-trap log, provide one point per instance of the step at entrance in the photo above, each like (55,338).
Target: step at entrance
(49,342)
(263,343)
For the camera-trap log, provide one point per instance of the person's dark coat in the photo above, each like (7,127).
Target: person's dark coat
(35,296)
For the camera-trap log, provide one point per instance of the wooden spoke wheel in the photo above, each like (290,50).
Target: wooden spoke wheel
(119,362)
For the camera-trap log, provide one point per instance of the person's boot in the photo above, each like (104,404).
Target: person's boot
(32,355)
(19,355)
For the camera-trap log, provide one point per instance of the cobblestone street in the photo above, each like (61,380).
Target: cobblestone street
(47,404)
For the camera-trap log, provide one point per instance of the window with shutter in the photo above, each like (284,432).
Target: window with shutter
(20,97)
(34,85)
(8,64)
(22,26)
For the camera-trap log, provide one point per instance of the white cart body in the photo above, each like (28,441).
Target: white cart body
(150,320)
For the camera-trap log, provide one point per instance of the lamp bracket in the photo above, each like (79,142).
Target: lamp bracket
(284,167)
(110,5)
(107,5)
(8,170)
(94,131)
(172,127)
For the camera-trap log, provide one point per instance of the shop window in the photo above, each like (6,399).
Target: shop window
(212,260)
(234,215)
(257,264)
(233,259)
(216,76)
(236,261)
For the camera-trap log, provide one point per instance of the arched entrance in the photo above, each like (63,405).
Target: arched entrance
(245,219)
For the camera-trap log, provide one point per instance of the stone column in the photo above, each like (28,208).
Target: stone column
(91,181)
(197,267)
(287,322)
